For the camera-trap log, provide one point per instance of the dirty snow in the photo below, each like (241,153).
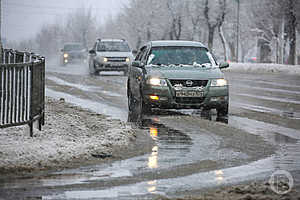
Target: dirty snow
(70,134)
(264,68)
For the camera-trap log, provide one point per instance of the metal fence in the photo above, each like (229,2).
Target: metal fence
(22,89)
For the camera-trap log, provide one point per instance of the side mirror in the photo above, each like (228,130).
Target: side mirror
(61,50)
(137,64)
(223,65)
(92,51)
(134,52)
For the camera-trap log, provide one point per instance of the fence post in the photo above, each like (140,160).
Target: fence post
(9,57)
(30,101)
(15,55)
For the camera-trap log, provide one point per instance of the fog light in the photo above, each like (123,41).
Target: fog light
(153,97)
(66,61)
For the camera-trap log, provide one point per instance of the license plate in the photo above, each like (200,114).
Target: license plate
(189,93)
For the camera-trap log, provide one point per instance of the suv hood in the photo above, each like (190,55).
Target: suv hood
(185,73)
(114,54)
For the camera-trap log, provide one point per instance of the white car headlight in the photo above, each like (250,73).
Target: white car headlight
(157,82)
(105,59)
(66,55)
(218,82)
(127,59)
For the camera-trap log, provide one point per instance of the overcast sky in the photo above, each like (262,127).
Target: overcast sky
(22,19)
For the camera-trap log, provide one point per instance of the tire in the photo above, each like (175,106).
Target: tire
(144,108)
(205,113)
(222,111)
(131,101)
(92,71)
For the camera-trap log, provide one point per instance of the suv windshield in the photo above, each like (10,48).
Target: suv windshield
(113,46)
(73,47)
(178,55)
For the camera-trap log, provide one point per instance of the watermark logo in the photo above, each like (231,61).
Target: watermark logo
(281,182)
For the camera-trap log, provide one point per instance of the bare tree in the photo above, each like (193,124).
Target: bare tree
(290,14)
(80,26)
(193,8)
(214,18)
(175,8)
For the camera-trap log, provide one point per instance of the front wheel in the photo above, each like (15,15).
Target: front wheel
(144,108)
(131,101)
(222,111)
(92,70)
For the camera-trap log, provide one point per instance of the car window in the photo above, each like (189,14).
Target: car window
(73,47)
(113,46)
(178,55)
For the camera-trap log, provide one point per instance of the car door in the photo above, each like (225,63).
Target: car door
(136,74)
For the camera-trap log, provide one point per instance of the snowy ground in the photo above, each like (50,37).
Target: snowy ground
(70,134)
(264,68)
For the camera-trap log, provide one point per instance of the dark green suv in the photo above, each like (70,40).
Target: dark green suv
(177,75)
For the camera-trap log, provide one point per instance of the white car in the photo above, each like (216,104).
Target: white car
(110,55)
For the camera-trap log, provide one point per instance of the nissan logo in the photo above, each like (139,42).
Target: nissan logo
(189,83)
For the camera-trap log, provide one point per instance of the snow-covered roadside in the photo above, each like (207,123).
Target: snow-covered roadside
(70,135)
(264,68)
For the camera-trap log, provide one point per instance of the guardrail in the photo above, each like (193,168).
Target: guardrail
(22,89)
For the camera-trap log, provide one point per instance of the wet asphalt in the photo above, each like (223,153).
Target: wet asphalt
(190,152)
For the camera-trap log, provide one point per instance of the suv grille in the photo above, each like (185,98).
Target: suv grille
(116,59)
(189,100)
(189,83)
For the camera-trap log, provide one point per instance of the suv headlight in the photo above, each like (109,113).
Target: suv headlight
(157,82)
(105,59)
(66,55)
(218,82)
(127,59)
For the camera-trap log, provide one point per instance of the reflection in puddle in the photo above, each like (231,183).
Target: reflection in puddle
(153,132)
(152,186)
(219,176)
(153,158)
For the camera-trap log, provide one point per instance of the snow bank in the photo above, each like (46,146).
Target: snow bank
(264,68)
(71,134)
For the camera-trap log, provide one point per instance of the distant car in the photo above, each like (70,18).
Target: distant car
(110,55)
(73,52)
(177,75)
(251,60)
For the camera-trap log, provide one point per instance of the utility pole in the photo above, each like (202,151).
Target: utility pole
(238,30)
(1,48)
